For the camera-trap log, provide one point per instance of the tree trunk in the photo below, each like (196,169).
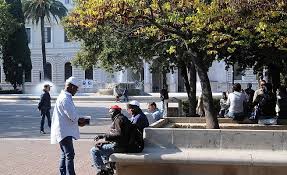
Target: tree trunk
(43,47)
(210,116)
(192,81)
(274,74)
(190,93)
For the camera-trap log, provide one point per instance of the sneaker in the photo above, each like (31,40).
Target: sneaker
(42,132)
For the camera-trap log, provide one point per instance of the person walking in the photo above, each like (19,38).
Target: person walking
(44,107)
(64,127)
(223,105)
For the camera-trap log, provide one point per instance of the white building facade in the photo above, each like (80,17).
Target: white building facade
(60,52)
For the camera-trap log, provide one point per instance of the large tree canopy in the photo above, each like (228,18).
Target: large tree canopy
(232,30)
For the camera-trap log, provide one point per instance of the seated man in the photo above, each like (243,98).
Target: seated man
(116,140)
(138,117)
(154,111)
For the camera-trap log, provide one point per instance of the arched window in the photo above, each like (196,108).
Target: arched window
(68,70)
(49,71)
(89,74)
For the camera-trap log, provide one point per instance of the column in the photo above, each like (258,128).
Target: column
(147,78)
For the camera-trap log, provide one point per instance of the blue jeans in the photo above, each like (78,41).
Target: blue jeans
(236,116)
(45,113)
(67,156)
(101,154)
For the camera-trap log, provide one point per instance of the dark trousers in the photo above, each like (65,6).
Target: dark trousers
(67,156)
(45,113)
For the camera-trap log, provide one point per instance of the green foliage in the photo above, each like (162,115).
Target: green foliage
(16,53)
(39,10)
(35,9)
(7,24)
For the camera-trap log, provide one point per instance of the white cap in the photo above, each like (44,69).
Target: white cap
(135,103)
(73,81)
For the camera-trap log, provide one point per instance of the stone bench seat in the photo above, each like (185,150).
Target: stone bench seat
(204,156)
(183,151)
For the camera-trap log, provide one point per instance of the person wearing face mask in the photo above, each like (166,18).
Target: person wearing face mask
(138,117)
(116,140)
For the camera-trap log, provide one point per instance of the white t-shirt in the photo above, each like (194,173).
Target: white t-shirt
(235,102)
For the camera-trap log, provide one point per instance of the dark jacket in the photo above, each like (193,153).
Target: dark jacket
(120,132)
(45,101)
(140,120)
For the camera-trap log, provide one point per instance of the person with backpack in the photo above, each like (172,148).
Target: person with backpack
(117,140)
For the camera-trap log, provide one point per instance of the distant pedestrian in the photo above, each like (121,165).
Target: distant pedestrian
(249,94)
(44,107)
(117,93)
(281,104)
(164,98)
(223,105)
(125,94)
(65,122)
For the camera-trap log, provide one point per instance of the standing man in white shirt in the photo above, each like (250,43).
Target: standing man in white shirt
(65,125)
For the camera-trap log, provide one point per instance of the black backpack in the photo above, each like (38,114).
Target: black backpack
(136,141)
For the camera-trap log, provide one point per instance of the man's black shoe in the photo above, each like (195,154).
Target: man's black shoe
(42,132)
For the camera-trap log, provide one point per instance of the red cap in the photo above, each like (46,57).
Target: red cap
(116,107)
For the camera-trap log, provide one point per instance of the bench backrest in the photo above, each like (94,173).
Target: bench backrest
(216,139)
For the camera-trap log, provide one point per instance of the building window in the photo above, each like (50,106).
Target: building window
(28,31)
(89,74)
(49,71)
(66,39)
(28,76)
(47,34)
(67,1)
(68,70)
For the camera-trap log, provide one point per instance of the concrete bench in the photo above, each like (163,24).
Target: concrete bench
(207,152)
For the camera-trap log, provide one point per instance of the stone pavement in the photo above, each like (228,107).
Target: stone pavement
(24,151)
(39,157)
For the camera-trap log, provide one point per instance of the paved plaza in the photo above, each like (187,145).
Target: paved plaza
(24,151)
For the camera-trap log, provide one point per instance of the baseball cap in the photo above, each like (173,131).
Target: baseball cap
(74,81)
(116,107)
(135,103)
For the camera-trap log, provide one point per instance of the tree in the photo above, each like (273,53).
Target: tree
(16,53)
(39,10)
(7,24)
(154,19)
